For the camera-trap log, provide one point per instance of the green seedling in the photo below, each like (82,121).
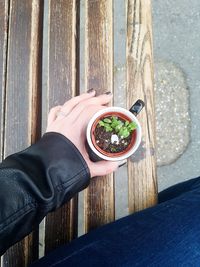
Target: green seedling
(113,124)
(124,132)
(101,123)
(107,127)
(106,120)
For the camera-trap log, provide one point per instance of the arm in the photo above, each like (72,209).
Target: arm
(49,173)
(37,181)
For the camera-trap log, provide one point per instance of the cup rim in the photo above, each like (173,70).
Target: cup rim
(128,114)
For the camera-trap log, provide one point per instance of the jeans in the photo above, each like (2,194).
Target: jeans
(167,234)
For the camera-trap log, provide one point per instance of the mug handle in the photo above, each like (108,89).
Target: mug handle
(137,107)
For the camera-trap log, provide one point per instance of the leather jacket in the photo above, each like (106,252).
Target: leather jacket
(36,181)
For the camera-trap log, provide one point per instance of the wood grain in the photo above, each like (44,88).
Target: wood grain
(4,6)
(61,226)
(99,197)
(23,84)
(140,79)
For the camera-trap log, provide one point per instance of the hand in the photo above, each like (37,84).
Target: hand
(71,120)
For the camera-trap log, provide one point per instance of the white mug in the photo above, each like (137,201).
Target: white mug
(96,155)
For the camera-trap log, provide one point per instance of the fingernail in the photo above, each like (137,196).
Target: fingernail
(108,93)
(90,91)
(122,163)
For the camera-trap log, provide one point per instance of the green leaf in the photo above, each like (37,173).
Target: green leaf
(132,126)
(114,122)
(107,120)
(121,131)
(101,123)
(107,127)
(118,127)
(126,123)
(124,132)
(114,118)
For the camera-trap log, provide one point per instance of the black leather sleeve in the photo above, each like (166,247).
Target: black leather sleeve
(36,181)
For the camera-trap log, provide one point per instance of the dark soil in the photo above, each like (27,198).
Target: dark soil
(103,140)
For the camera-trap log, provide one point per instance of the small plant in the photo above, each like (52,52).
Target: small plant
(122,129)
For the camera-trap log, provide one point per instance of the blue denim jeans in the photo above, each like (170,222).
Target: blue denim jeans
(165,235)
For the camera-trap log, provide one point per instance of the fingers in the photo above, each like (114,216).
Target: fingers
(53,114)
(100,100)
(102,167)
(69,105)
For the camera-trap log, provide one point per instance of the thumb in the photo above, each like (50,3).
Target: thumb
(103,167)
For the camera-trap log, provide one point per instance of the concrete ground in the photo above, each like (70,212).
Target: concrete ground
(176,51)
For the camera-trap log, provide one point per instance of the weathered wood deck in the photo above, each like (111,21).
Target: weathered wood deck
(28,93)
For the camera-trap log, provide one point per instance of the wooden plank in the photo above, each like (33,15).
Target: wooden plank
(61,226)
(3,52)
(99,197)
(22,120)
(141,166)
(121,175)
(4,6)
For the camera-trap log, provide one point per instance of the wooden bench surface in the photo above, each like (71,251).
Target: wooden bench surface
(28,93)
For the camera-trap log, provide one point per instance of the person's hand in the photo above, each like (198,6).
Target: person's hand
(71,120)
